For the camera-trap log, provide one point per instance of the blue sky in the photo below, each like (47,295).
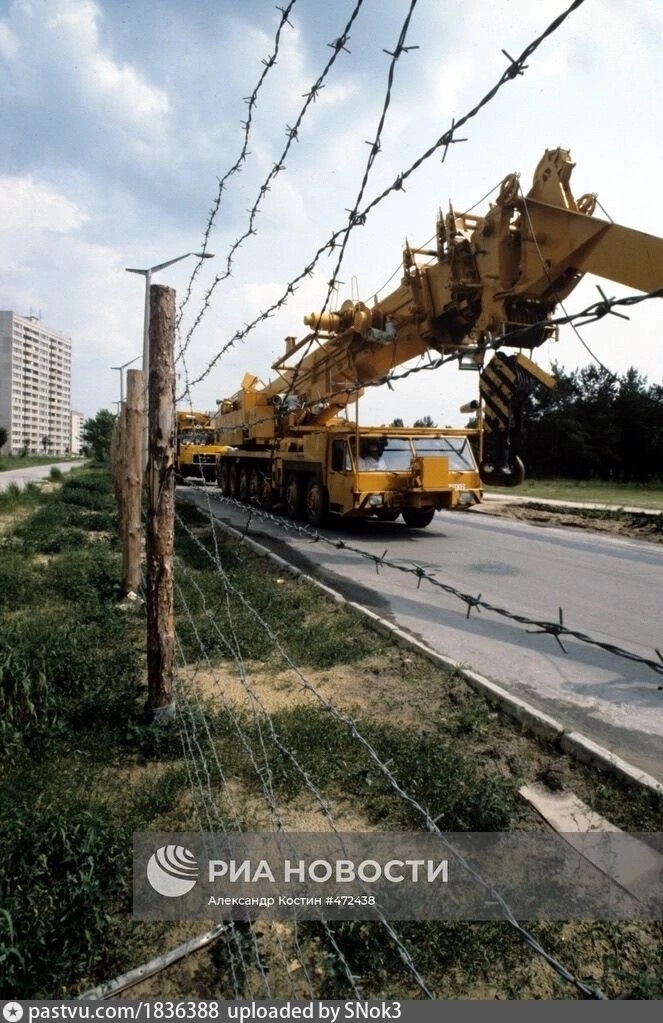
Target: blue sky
(119,119)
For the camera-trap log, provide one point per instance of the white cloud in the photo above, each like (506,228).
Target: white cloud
(58,48)
(28,205)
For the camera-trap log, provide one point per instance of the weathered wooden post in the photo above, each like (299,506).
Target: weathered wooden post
(133,432)
(115,457)
(160,528)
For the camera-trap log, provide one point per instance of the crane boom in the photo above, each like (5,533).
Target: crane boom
(491,282)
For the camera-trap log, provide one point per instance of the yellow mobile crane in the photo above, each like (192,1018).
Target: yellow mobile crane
(196,448)
(491,283)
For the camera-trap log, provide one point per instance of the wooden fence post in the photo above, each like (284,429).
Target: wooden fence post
(160,530)
(134,419)
(116,456)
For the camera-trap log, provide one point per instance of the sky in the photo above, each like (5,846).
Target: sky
(120,118)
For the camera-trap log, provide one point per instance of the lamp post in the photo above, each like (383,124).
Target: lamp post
(147,274)
(121,369)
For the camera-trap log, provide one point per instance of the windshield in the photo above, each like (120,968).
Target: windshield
(196,437)
(457,449)
(394,454)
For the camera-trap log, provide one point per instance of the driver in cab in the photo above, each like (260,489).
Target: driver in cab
(370,459)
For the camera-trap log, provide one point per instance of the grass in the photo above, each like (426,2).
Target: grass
(79,773)
(649,496)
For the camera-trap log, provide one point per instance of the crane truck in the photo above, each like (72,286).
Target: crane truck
(196,448)
(489,287)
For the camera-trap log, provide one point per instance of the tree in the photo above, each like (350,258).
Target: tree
(397,422)
(46,443)
(3,437)
(424,421)
(97,433)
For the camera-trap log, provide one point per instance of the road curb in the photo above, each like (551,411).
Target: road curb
(533,720)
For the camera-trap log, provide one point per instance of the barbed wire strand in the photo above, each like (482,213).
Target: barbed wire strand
(430,822)
(516,68)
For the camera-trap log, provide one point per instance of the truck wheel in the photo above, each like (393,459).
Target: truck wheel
(233,482)
(243,485)
(254,487)
(293,496)
(266,494)
(418,518)
(223,478)
(316,503)
(387,516)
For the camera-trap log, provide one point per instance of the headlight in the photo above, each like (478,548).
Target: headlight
(375,500)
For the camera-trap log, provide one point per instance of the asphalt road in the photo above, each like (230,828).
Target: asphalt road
(32,473)
(609,589)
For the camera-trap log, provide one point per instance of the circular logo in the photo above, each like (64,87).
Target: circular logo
(172,871)
(12,1012)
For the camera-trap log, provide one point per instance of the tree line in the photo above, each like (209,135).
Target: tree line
(595,425)
(591,425)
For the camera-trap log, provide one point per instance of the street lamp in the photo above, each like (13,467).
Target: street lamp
(121,368)
(147,274)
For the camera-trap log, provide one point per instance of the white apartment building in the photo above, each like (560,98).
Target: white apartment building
(77,420)
(35,386)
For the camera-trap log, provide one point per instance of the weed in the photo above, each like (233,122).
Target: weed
(61,672)
(63,879)
(15,497)
(19,582)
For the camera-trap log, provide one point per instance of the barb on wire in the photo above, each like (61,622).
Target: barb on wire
(552,629)
(473,602)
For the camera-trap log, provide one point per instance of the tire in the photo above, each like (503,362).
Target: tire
(243,485)
(223,478)
(418,518)
(388,516)
(233,482)
(316,503)
(255,487)
(293,496)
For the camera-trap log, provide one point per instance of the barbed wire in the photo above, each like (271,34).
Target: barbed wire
(515,69)
(353,213)
(233,649)
(557,629)
(252,100)
(338,46)
(431,823)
